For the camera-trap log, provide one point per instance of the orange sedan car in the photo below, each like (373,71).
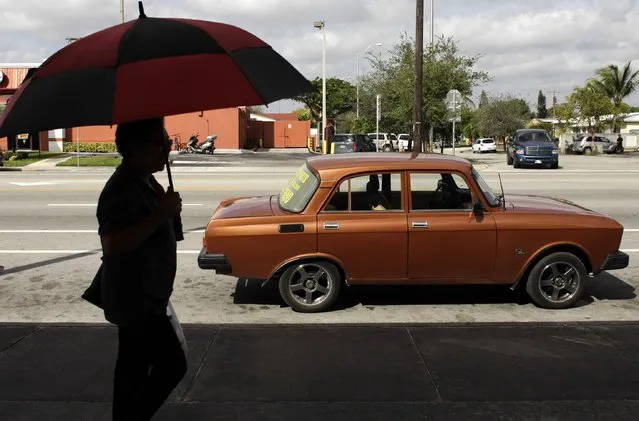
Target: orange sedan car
(390,219)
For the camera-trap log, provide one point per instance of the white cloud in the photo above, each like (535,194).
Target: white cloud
(543,44)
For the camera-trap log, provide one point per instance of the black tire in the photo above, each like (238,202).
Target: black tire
(554,166)
(557,281)
(324,277)
(509,158)
(386,148)
(587,151)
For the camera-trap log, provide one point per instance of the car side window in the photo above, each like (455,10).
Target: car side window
(439,192)
(368,193)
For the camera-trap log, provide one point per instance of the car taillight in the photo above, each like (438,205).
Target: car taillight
(354,146)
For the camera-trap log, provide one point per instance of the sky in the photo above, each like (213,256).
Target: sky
(524,45)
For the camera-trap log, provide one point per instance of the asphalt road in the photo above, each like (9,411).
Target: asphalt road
(50,251)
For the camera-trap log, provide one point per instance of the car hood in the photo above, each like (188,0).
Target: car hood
(522,202)
(244,207)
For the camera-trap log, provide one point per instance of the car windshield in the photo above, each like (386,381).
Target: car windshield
(299,190)
(534,137)
(490,196)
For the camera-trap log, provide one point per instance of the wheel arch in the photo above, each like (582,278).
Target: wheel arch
(573,248)
(277,272)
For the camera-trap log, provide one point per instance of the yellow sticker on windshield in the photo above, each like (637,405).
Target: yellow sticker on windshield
(287,194)
(302,176)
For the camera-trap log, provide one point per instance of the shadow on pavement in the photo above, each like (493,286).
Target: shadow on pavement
(603,287)
(16,269)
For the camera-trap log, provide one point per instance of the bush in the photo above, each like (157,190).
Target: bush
(90,147)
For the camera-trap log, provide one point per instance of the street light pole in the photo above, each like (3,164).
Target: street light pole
(419,72)
(122,10)
(432,40)
(321,25)
(379,44)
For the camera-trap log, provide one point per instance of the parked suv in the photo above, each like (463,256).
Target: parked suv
(532,147)
(352,142)
(386,142)
(583,145)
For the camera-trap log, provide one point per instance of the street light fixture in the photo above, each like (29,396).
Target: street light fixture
(379,44)
(321,25)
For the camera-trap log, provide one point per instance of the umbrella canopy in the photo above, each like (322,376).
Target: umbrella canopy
(150,67)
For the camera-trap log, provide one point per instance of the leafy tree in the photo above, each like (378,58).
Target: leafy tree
(468,126)
(616,84)
(590,104)
(502,116)
(303,114)
(565,114)
(341,97)
(542,112)
(445,68)
(483,99)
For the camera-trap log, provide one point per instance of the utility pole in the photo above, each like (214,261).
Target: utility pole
(122,10)
(419,72)
(432,40)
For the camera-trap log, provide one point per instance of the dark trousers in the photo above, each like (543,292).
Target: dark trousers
(150,365)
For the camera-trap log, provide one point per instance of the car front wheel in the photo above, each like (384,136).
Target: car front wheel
(310,287)
(557,281)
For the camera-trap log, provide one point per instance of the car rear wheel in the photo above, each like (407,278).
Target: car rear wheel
(310,287)
(557,281)
(387,148)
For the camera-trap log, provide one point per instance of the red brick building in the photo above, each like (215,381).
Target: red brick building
(234,127)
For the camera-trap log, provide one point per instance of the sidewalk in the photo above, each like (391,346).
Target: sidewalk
(339,373)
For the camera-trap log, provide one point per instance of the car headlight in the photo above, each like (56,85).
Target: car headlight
(519,151)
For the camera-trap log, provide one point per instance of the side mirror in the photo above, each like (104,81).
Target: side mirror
(477,207)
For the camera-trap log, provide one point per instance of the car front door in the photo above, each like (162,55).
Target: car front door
(447,241)
(364,226)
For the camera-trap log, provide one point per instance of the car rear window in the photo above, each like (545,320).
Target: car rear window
(488,141)
(298,192)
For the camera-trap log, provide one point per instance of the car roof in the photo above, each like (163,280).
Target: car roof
(335,166)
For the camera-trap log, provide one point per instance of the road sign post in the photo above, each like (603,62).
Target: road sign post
(379,115)
(453,102)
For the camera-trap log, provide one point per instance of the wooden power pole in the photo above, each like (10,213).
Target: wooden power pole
(418,141)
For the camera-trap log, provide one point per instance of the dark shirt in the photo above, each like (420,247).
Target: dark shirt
(139,283)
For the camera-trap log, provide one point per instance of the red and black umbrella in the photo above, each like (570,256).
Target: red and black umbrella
(150,67)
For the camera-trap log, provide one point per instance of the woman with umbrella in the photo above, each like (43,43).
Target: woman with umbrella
(114,77)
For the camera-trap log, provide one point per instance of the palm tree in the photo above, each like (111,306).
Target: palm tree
(617,84)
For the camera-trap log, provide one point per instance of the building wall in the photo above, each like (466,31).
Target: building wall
(224,123)
(280,134)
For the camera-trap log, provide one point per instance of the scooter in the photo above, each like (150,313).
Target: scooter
(207,147)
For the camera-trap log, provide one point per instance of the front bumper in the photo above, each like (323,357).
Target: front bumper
(616,260)
(537,160)
(216,262)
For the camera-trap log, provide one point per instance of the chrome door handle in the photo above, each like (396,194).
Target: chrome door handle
(419,224)
(331,225)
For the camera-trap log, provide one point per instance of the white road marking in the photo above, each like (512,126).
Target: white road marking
(74,251)
(53,231)
(89,205)
(47,231)
(179,251)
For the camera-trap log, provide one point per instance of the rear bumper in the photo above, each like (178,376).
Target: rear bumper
(616,260)
(216,262)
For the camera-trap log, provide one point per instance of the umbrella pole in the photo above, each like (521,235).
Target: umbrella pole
(177,221)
